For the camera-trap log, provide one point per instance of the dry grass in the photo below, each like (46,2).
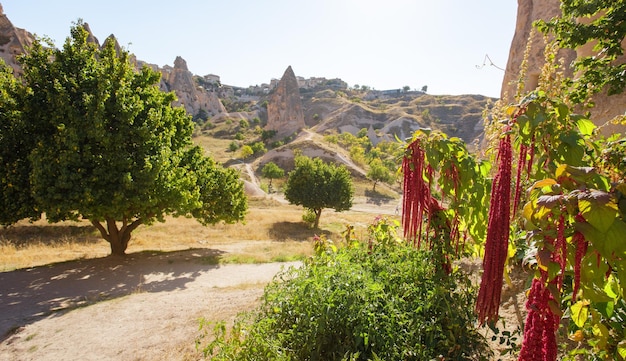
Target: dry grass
(271,232)
(217,148)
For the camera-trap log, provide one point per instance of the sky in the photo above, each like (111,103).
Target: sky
(388,44)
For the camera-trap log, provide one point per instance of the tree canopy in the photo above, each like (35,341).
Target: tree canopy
(316,185)
(379,173)
(272,171)
(15,144)
(103,143)
(601,23)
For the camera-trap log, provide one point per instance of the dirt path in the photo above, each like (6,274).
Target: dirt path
(144,308)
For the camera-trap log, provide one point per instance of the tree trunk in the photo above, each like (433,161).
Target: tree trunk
(318,214)
(118,238)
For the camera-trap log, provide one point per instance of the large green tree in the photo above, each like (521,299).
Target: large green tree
(16,140)
(108,146)
(316,185)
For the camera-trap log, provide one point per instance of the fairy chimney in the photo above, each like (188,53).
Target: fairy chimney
(284,109)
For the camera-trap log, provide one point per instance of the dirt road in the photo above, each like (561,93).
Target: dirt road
(143,308)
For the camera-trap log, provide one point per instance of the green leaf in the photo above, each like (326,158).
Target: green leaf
(585,126)
(621,349)
(597,209)
(580,313)
(616,239)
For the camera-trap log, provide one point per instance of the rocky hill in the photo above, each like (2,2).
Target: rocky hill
(13,41)
(292,103)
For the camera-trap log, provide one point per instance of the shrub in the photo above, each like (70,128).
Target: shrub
(370,300)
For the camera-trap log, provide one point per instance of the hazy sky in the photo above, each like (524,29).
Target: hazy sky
(383,44)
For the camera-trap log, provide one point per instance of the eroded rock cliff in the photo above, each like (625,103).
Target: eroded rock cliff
(13,41)
(606,107)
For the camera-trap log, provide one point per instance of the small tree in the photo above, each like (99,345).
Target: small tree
(246,152)
(106,145)
(272,171)
(378,173)
(316,185)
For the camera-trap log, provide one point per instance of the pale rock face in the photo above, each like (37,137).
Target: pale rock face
(527,12)
(606,107)
(13,42)
(192,96)
(284,109)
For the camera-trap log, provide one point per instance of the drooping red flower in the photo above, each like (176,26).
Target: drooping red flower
(541,324)
(497,242)
(418,204)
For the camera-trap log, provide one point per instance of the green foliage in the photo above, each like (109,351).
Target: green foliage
(602,26)
(376,300)
(574,217)
(316,185)
(268,134)
(15,197)
(309,216)
(109,147)
(246,152)
(461,182)
(379,173)
(233,146)
(272,171)
(258,148)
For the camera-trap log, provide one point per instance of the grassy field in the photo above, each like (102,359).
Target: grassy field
(272,232)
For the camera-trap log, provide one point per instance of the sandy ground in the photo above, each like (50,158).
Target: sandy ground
(146,307)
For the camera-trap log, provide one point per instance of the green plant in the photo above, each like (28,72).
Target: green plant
(378,299)
(316,185)
(574,225)
(309,216)
(272,171)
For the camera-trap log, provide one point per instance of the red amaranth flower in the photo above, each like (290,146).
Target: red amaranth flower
(541,324)
(497,242)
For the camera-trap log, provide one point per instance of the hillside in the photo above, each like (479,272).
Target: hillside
(229,117)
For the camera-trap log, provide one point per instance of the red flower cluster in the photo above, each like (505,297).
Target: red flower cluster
(497,243)
(418,199)
(540,330)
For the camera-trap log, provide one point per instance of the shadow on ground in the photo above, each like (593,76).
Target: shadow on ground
(27,295)
(294,231)
(377,198)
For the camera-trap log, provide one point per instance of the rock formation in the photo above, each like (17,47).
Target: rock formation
(527,12)
(191,95)
(284,109)
(196,99)
(13,41)
(606,108)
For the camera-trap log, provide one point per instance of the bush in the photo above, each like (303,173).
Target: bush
(309,217)
(378,300)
